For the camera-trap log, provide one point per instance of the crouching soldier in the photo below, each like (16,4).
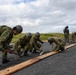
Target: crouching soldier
(6,35)
(36,43)
(23,45)
(73,37)
(59,44)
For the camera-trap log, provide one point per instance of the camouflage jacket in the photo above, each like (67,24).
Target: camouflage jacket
(58,42)
(35,40)
(22,41)
(74,34)
(6,35)
(66,31)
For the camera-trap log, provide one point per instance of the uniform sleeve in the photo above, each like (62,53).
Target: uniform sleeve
(34,44)
(40,41)
(57,41)
(17,43)
(5,35)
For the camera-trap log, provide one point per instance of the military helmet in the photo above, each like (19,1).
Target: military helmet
(19,28)
(50,40)
(37,34)
(29,35)
(66,27)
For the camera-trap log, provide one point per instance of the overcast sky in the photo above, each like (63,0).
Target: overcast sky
(44,16)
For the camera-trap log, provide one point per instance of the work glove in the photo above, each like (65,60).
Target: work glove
(41,52)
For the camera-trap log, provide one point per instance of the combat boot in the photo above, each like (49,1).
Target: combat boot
(62,49)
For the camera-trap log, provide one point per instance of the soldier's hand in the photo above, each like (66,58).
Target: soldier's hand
(41,52)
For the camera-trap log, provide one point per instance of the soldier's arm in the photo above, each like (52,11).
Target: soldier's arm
(16,44)
(34,44)
(40,41)
(5,35)
(55,41)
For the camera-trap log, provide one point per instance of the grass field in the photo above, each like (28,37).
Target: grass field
(43,36)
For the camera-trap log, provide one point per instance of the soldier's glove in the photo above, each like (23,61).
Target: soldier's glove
(9,51)
(22,50)
(41,52)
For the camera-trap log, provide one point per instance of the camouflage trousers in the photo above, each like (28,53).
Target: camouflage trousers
(59,47)
(27,47)
(4,48)
(66,38)
(73,38)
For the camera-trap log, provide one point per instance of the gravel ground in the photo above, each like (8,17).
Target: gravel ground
(59,64)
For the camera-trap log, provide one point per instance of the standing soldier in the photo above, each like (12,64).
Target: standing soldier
(36,42)
(23,45)
(59,44)
(66,34)
(6,35)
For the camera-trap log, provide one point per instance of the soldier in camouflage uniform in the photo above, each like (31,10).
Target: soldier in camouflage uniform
(6,35)
(23,45)
(59,44)
(73,37)
(66,34)
(36,42)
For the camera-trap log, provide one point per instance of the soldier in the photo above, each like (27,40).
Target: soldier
(6,35)
(36,42)
(59,44)
(23,45)
(73,36)
(66,34)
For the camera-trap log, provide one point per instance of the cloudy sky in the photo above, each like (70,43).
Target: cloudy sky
(44,16)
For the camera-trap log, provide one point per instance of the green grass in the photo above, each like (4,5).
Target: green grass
(43,36)
(47,35)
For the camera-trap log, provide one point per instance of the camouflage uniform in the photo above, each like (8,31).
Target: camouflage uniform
(73,36)
(59,44)
(6,36)
(23,43)
(36,43)
(66,34)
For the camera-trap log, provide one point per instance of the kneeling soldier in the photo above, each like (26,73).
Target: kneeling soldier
(74,37)
(6,35)
(36,42)
(23,45)
(59,44)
